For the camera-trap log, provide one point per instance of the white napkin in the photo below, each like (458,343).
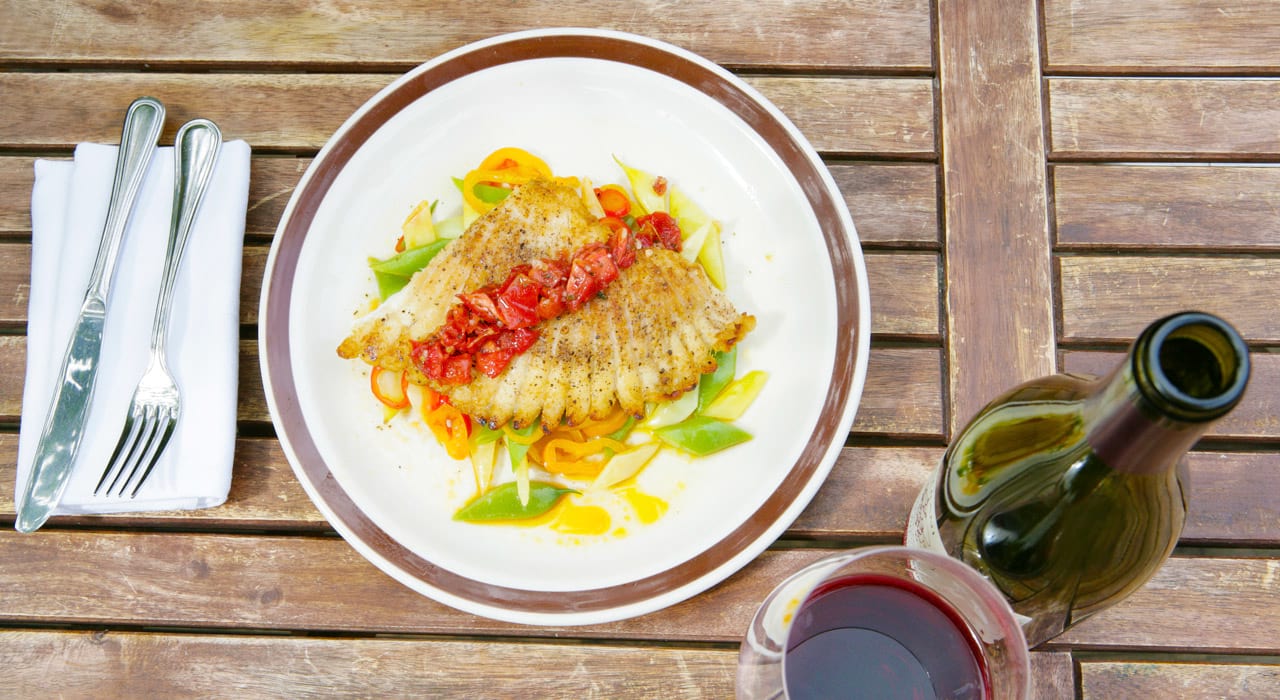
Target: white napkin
(68,210)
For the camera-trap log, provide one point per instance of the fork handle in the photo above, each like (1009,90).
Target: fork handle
(195,153)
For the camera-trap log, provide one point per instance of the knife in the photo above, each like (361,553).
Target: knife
(64,425)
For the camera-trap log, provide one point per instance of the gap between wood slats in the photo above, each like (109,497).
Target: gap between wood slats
(298,113)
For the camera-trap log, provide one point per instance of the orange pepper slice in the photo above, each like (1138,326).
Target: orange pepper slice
(449,425)
(574,461)
(386,389)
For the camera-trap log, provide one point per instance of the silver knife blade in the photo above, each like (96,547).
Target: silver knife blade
(64,426)
(69,409)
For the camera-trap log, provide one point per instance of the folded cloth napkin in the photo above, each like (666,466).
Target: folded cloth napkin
(68,210)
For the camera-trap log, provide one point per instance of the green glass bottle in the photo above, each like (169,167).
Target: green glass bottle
(1069,493)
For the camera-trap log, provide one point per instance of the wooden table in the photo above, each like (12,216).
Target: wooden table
(1033,182)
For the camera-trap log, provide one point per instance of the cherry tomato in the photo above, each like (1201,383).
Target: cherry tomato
(665,230)
(592,268)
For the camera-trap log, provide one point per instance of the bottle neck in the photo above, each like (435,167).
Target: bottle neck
(1182,374)
(1129,434)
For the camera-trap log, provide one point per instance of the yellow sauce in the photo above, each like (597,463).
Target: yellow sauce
(648,508)
(574,519)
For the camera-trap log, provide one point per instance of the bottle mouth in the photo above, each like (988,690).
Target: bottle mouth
(1193,365)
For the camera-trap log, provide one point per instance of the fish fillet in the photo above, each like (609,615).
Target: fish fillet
(649,337)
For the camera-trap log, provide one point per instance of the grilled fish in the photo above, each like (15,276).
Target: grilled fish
(648,337)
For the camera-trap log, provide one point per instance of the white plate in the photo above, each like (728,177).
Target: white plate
(575,98)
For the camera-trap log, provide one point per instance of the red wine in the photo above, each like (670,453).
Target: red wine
(872,636)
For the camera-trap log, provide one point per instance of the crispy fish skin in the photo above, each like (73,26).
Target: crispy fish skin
(648,337)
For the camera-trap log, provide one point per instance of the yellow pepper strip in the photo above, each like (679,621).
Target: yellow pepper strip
(574,461)
(510,434)
(504,167)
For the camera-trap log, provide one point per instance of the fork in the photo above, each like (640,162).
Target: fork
(156,406)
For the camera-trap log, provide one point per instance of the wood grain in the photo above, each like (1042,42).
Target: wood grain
(1117,119)
(999,308)
(297,113)
(1162,36)
(891,205)
(1112,298)
(1256,418)
(109,663)
(139,665)
(1167,208)
(264,495)
(1193,604)
(265,582)
(296,34)
(1133,679)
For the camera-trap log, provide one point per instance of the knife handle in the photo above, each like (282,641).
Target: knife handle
(142,125)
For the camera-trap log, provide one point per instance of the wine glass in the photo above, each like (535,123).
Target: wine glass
(884,622)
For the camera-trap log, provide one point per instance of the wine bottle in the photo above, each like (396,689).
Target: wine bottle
(1069,493)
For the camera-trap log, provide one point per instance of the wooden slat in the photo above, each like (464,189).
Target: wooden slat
(891,204)
(856,116)
(264,495)
(265,582)
(1164,118)
(1193,604)
(16,178)
(904,295)
(129,664)
(1159,36)
(999,300)
(299,112)
(1256,418)
(137,665)
(1112,298)
(1217,207)
(903,395)
(867,494)
(1133,679)
(243,33)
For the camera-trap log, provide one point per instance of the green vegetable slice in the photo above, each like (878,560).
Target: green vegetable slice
(503,503)
(701,436)
(490,194)
(712,383)
(394,272)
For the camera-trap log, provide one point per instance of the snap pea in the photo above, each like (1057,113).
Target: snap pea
(394,272)
(503,503)
(701,436)
(712,383)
